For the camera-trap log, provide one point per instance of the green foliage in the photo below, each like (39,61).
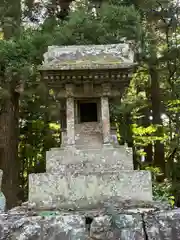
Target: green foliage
(111,25)
(162,191)
(174,106)
(146,135)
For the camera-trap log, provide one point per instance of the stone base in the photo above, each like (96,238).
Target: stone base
(108,225)
(48,190)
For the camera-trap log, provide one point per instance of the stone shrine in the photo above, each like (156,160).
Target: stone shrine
(89,167)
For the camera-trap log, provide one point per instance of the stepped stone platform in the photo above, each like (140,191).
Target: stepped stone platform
(83,178)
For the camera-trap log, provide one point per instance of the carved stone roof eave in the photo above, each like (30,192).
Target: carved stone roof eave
(88,57)
(100,67)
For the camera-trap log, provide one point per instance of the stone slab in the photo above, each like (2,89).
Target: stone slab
(48,190)
(88,160)
(86,168)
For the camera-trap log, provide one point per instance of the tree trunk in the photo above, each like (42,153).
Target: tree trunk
(149,153)
(146,122)
(159,160)
(9,163)
(9,116)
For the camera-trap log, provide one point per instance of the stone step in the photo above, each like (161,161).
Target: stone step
(86,168)
(89,141)
(47,191)
(88,160)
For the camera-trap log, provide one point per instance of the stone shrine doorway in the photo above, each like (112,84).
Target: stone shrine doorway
(88,112)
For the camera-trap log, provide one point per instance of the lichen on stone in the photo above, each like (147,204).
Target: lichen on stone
(88,57)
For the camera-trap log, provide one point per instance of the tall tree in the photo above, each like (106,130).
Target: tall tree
(9,114)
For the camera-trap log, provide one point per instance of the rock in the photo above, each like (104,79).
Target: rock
(20,227)
(128,205)
(6,223)
(64,227)
(26,229)
(159,205)
(128,227)
(120,226)
(101,228)
(163,225)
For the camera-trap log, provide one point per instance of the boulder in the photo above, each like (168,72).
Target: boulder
(163,225)
(42,228)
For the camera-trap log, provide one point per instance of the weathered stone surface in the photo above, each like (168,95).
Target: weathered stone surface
(88,135)
(163,225)
(114,206)
(101,228)
(70,191)
(18,227)
(70,121)
(115,91)
(6,223)
(19,224)
(128,227)
(120,226)
(88,57)
(105,119)
(88,160)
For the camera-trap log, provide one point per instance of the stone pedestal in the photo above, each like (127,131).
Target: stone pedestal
(85,178)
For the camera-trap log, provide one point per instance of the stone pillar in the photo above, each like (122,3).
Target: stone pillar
(105,116)
(70,116)
(105,120)
(63,123)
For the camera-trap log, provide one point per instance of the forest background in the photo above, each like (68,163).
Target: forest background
(148,115)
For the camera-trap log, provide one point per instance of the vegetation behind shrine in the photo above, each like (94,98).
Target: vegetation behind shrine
(147,116)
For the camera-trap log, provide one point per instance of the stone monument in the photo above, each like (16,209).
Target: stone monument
(89,167)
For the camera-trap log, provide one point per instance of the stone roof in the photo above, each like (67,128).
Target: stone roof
(112,56)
